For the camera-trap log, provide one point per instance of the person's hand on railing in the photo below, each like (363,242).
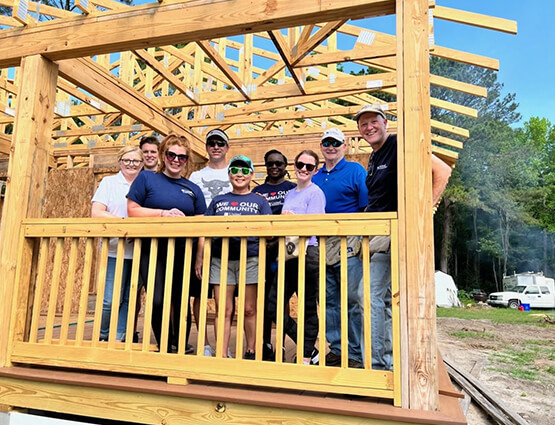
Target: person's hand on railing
(199,258)
(174,212)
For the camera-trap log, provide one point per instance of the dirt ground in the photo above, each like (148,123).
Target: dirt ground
(483,353)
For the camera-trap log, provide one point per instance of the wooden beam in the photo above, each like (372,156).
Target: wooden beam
(98,81)
(5,143)
(303,49)
(285,53)
(27,173)
(420,387)
(153,25)
(475,19)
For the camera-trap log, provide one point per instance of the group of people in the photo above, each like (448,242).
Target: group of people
(223,188)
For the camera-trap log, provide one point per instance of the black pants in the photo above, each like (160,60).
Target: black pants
(159,287)
(311,297)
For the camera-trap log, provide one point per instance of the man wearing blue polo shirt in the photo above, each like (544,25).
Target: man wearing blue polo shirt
(343,183)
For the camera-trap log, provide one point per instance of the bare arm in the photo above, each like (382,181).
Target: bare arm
(135,210)
(199,258)
(440,176)
(99,210)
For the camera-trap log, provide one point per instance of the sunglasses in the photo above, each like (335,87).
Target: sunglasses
(213,143)
(278,164)
(182,158)
(331,142)
(134,162)
(244,170)
(300,165)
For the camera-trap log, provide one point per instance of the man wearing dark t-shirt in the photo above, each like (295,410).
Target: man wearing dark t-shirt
(381,180)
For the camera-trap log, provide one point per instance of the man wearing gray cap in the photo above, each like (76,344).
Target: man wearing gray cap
(381,180)
(343,185)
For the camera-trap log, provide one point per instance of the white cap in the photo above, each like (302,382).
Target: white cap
(335,134)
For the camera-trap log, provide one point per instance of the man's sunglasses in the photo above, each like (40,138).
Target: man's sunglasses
(278,164)
(213,143)
(244,170)
(300,165)
(331,142)
(182,158)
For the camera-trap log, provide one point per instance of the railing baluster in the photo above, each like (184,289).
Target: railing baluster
(206,259)
(367,312)
(240,329)
(261,296)
(100,284)
(395,300)
(70,282)
(301,298)
(186,283)
(280,299)
(83,299)
(147,323)
(344,289)
(167,303)
(54,288)
(133,294)
(322,301)
(116,294)
(221,302)
(39,288)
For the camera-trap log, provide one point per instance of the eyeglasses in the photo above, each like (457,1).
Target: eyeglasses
(134,162)
(171,156)
(244,170)
(278,164)
(213,143)
(331,142)
(300,165)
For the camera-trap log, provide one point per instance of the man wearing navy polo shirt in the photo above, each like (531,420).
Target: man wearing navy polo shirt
(343,183)
(381,181)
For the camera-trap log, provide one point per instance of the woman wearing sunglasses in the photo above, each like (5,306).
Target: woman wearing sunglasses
(167,193)
(108,202)
(240,201)
(306,198)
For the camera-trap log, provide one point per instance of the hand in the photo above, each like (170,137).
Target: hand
(174,212)
(287,212)
(198,268)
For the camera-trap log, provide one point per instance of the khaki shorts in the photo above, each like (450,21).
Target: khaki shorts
(233,271)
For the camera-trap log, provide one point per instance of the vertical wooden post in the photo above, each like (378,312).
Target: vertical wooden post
(415,206)
(27,172)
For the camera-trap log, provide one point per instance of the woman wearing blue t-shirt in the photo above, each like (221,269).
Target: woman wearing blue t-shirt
(240,201)
(166,194)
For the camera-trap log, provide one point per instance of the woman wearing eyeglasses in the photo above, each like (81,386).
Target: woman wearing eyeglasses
(306,198)
(108,202)
(166,193)
(240,201)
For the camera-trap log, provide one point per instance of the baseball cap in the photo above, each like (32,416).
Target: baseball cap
(242,161)
(335,134)
(376,109)
(217,134)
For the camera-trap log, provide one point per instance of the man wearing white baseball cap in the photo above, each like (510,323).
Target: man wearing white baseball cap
(381,181)
(343,184)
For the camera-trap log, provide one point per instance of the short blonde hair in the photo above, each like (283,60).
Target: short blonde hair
(127,149)
(169,141)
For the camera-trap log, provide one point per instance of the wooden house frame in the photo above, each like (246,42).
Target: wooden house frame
(58,84)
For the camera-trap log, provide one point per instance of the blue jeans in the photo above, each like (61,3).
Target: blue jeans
(333,307)
(124,298)
(380,306)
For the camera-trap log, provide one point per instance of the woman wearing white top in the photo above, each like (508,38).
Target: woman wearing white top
(110,201)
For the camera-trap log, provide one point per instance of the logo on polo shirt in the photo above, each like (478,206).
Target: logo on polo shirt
(382,167)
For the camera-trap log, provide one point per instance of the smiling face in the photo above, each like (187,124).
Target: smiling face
(130,164)
(332,155)
(302,164)
(150,152)
(241,180)
(275,167)
(373,128)
(216,149)
(174,161)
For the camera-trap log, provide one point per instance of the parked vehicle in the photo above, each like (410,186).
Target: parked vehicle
(528,278)
(479,295)
(537,296)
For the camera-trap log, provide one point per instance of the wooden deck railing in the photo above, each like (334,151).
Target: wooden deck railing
(56,271)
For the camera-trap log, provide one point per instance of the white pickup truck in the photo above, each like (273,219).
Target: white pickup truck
(538,296)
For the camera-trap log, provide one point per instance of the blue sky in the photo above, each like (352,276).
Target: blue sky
(526,60)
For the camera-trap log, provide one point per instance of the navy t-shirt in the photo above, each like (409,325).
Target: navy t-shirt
(233,204)
(156,190)
(275,194)
(381,177)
